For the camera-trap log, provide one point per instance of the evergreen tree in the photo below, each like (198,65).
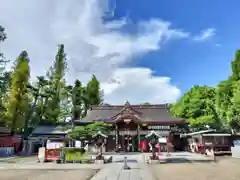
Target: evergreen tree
(236,67)
(80,100)
(94,91)
(17,101)
(56,77)
(3,35)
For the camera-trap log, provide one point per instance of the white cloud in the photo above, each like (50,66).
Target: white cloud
(139,85)
(92,45)
(205,35)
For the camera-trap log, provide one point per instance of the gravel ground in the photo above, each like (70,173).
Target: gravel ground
(224,169)
(46,174)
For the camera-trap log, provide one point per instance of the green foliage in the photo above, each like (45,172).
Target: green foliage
(79,100)
(74,154)
(224,94)
(78,132)
(97,126)
(228,97)
(54,99)
(3,35)
(89,130)
(234,109)
(94,92)
(17,101)
(56,77)
(197,106)
(236,67)
(218,107)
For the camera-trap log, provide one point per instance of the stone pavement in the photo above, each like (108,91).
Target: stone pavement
(115,171)
(48,166)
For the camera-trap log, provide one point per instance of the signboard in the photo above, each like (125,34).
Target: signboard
(159,127)
(162,140)
(54,145)
(167,128)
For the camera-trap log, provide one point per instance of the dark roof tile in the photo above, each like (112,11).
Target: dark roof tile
(149,113)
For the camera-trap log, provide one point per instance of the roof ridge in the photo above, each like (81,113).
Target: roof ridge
(137,106)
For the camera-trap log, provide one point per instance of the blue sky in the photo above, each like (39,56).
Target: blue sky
(187,62)
(140,50)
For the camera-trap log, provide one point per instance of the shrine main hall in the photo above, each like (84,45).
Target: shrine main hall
(129,125)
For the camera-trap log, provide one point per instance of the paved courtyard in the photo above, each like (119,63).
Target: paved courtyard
(224,169)
(32,174)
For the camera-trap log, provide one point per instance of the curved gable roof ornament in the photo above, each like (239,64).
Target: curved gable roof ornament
(127,105)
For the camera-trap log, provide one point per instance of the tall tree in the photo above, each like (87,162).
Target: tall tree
(224,94)
(3,35)
(38,93)
(236,66)
(4,76)
(234,110)
(94,91)
(56,76)
(66,103)
(3,62)
(17,102)
(80,100)
(227,95)
(198,107)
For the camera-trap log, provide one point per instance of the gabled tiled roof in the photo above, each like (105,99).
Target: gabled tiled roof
(48,129)
(148,113)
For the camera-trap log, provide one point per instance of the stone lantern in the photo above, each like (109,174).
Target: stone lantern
(100,141)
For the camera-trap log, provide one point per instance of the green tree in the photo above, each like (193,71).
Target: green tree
(3,35)
(227,95)
(80,100)
(198,107)
(56,77)
(97,126)
(236,66)
(4,75)
(37,92)
(224,94)
(94,91)
(17,101)
(234,110)
(3,62)
(66,103)
(79,132)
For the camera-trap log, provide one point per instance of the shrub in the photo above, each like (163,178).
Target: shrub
(74,154)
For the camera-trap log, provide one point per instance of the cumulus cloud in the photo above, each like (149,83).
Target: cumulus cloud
(205,34)
(139,85)
(93,46)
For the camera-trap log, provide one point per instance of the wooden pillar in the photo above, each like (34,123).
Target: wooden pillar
(138,136)
(116,129)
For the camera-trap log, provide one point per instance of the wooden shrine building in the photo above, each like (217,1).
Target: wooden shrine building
(129,124)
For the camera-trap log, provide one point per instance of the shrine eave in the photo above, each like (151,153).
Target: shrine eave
(157,122)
